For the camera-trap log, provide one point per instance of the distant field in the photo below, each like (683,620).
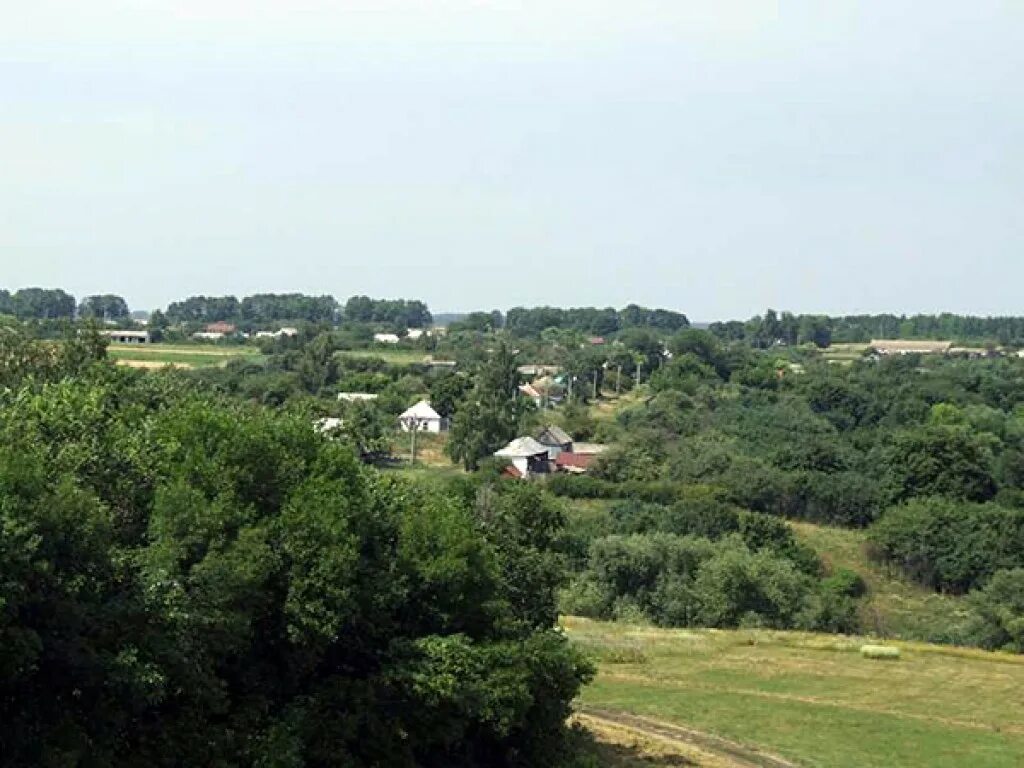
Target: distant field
(396,356)
(844,352)
(179,356)
(809,699)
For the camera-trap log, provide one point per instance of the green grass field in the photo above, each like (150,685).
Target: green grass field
(844,353)
(182,355)
(392,356)
(813,699)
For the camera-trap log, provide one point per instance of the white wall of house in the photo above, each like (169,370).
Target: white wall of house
(434,426)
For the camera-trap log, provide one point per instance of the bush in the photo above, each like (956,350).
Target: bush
(998,621)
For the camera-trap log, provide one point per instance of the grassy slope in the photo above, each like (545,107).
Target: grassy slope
(812,698)
(894,607)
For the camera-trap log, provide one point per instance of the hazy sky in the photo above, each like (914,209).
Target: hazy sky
(715,157)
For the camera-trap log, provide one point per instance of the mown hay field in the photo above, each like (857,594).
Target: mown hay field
(813,699)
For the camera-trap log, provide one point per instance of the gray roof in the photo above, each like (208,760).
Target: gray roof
(521,448)
(554,435)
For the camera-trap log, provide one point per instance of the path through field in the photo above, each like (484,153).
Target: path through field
(699,748)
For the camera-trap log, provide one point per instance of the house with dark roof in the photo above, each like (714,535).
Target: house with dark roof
(556,440)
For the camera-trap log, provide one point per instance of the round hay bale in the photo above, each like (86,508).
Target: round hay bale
(879,652)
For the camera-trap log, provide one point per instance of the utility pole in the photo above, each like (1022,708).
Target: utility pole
(413,425)
(595,385)
(638,373)
(618,380)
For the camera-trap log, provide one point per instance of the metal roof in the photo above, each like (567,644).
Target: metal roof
(522,448)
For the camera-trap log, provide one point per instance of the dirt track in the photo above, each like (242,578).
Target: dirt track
(737,755)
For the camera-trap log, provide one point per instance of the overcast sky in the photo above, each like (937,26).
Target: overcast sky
(714,157)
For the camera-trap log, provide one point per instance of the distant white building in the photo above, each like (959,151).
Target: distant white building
(910,347)
(421,417)
(386,338)
(208,336)
(127,337)
(356,397)
(415,333)
(291,332)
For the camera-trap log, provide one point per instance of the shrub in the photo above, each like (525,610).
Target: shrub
(998,621)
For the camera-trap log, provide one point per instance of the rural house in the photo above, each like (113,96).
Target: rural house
(556,440)
(526,457)
(421,418)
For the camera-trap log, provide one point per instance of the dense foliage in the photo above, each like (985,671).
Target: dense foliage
(189,580)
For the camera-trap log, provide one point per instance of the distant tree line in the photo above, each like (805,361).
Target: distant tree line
(772,328)
(268,307)
(521,321)
(37,304)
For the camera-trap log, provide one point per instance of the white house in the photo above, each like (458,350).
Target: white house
(208,335)
(414,334)
(526,456)
(421,417)
(386,338)
(277,334)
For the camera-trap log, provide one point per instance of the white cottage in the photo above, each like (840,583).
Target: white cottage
(422,418)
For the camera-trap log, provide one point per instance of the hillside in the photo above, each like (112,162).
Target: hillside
(809,699)
(894,606)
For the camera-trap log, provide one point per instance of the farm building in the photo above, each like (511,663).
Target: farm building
(222,328)
(208,336)
(422,418)
(526,457)
(386,338)
(556,440)
(356,397)
(290,332)
(414,334)
(127,337)
(535,369)
(910,347)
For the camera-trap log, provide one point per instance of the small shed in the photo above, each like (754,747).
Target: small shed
(527,456)
(421,418)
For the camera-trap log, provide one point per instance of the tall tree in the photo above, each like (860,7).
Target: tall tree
(489,416)
(105,307)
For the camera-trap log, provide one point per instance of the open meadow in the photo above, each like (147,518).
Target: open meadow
(810,699)
(178,355)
